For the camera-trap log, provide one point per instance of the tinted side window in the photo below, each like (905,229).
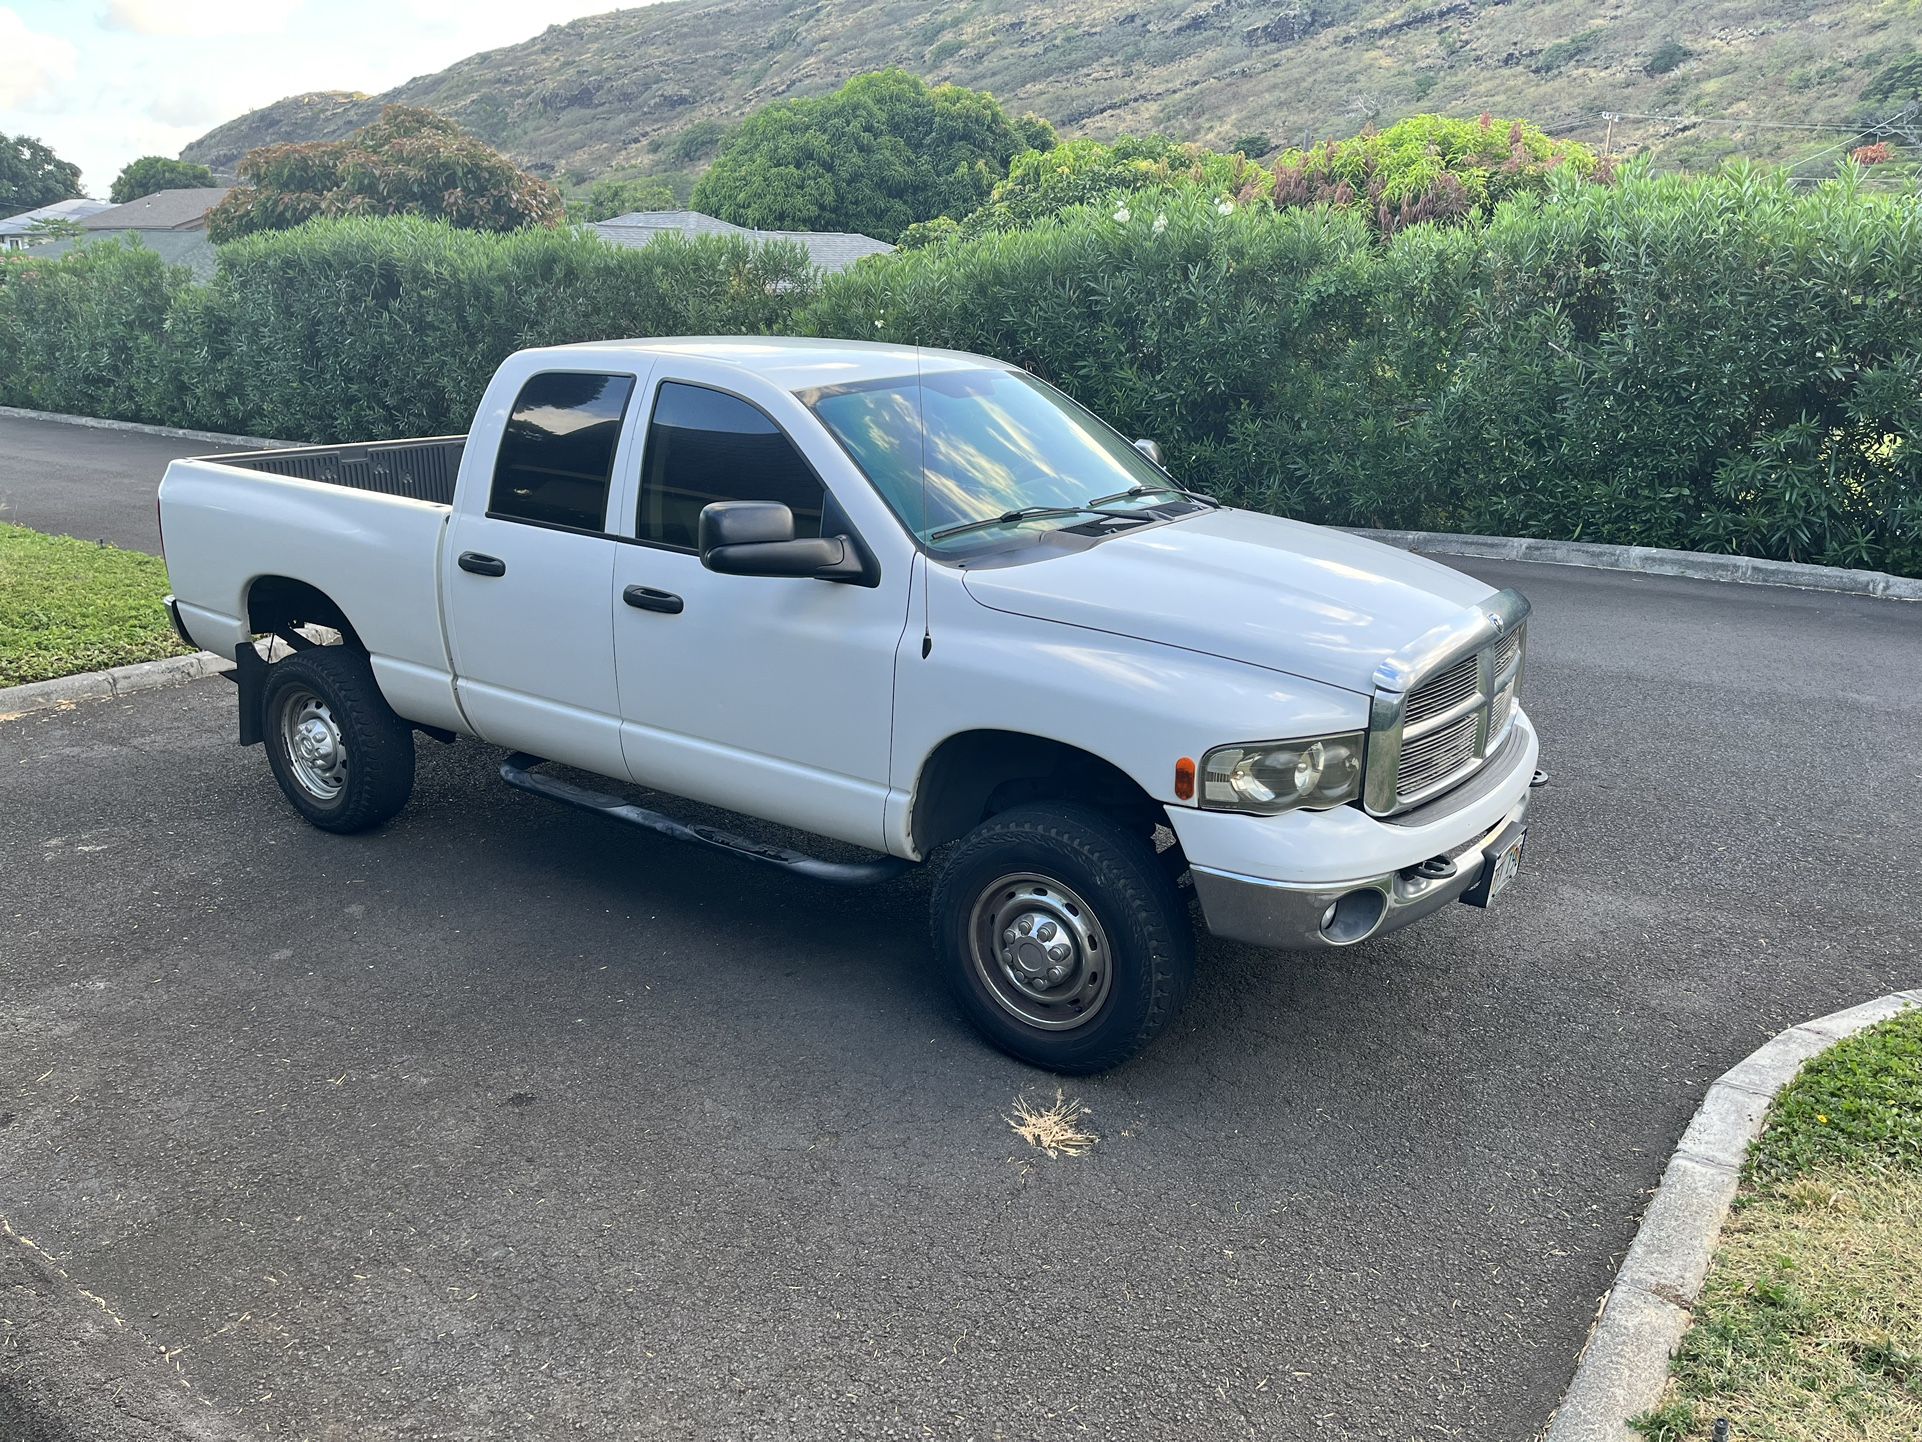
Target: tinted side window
(557,453)
(705,446)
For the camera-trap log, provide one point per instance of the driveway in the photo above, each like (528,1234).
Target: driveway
(505,1122)
(88,481)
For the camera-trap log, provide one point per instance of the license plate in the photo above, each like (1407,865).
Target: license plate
(1500,863)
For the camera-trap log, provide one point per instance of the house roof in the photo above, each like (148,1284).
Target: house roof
(688,222)
(77,209)
(163,210)
(190,248)
(828,249)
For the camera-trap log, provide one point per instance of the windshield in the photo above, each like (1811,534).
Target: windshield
(987,443)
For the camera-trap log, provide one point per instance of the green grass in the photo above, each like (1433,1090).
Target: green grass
(1809,1327)
(1859,1104)
(68,606)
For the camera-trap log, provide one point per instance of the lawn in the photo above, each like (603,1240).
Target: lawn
(69,606)
(1810,1324)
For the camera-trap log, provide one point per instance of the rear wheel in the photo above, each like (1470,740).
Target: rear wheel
(1063,936)
(342,757)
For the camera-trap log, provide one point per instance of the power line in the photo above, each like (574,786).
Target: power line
(1882,127)
(1733,120)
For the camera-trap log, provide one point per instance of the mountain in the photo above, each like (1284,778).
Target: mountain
(650,89)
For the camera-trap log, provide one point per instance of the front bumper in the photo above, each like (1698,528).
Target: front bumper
(1370,872)
(1275,913)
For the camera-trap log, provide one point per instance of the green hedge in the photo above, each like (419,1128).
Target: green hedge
(1721,363)
(360,328)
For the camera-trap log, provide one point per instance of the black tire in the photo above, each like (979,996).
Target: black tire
(1116,912)
(334,689)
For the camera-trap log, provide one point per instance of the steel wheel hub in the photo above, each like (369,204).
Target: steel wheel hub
(316,751)
(1040,951)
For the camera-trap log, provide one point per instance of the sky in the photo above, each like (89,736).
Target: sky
(105,81)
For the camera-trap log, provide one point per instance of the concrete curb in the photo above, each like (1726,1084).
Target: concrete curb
(1624,1366)
(218,438)
(1652,560)
(105,685)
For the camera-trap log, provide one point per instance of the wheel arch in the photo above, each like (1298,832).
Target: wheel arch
(971,775)
(277,605)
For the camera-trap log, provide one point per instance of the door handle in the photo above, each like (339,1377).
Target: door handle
(646,598)
(475,564)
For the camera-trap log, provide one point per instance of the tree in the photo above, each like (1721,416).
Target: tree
(1254,145)
(157,172)
(408,162)
(875,156)
(609,198)
(32,175)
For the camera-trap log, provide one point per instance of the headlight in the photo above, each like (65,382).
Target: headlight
(1268,777)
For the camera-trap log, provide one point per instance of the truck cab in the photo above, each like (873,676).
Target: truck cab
(915,601)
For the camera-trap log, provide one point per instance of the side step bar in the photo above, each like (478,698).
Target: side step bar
(518,771)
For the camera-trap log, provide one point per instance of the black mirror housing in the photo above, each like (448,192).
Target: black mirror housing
(744,523)
(756,538)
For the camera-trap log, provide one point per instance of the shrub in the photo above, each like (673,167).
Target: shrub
(86,334)
(1719,363)
(1669,55)
(1429,167)
(372,328)
(1715,363)
(1043,183)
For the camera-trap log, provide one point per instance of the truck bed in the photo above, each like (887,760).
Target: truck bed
(420,470)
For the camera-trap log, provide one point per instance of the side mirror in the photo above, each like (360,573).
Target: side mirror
(1149,449)
(756,538)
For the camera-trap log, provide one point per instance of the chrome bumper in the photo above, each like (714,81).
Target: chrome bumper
(1274,913)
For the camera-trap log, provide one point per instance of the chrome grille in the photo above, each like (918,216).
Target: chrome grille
(1437,734)
(1499,713)
(1438,755)
(1445,692)
(1505,651)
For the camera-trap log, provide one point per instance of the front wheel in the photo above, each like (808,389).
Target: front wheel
(340,754)
(1063,936)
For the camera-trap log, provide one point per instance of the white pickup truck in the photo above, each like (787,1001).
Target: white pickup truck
(913,600)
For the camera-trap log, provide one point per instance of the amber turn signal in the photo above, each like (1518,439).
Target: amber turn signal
(1185,779)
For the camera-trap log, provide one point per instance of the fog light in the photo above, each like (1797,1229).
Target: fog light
(1354,916)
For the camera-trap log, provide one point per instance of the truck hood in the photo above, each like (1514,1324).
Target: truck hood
(1250,587)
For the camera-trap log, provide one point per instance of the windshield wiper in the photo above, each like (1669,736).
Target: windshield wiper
(1136,492)
(1032,513)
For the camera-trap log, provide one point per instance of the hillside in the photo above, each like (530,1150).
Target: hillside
(649,89)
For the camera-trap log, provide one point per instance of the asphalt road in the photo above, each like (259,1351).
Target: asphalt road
(87,481)
(505,1122)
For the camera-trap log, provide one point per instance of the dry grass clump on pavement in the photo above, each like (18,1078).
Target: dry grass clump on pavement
(1058,1129)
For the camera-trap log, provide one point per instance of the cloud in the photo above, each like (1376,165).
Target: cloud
(189,106)
(202,19)
(37,67)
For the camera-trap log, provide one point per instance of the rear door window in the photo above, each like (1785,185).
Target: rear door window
(557,453)
(705,445)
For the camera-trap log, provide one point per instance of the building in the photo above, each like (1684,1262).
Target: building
(830,250)
(17,232)
(172,223)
